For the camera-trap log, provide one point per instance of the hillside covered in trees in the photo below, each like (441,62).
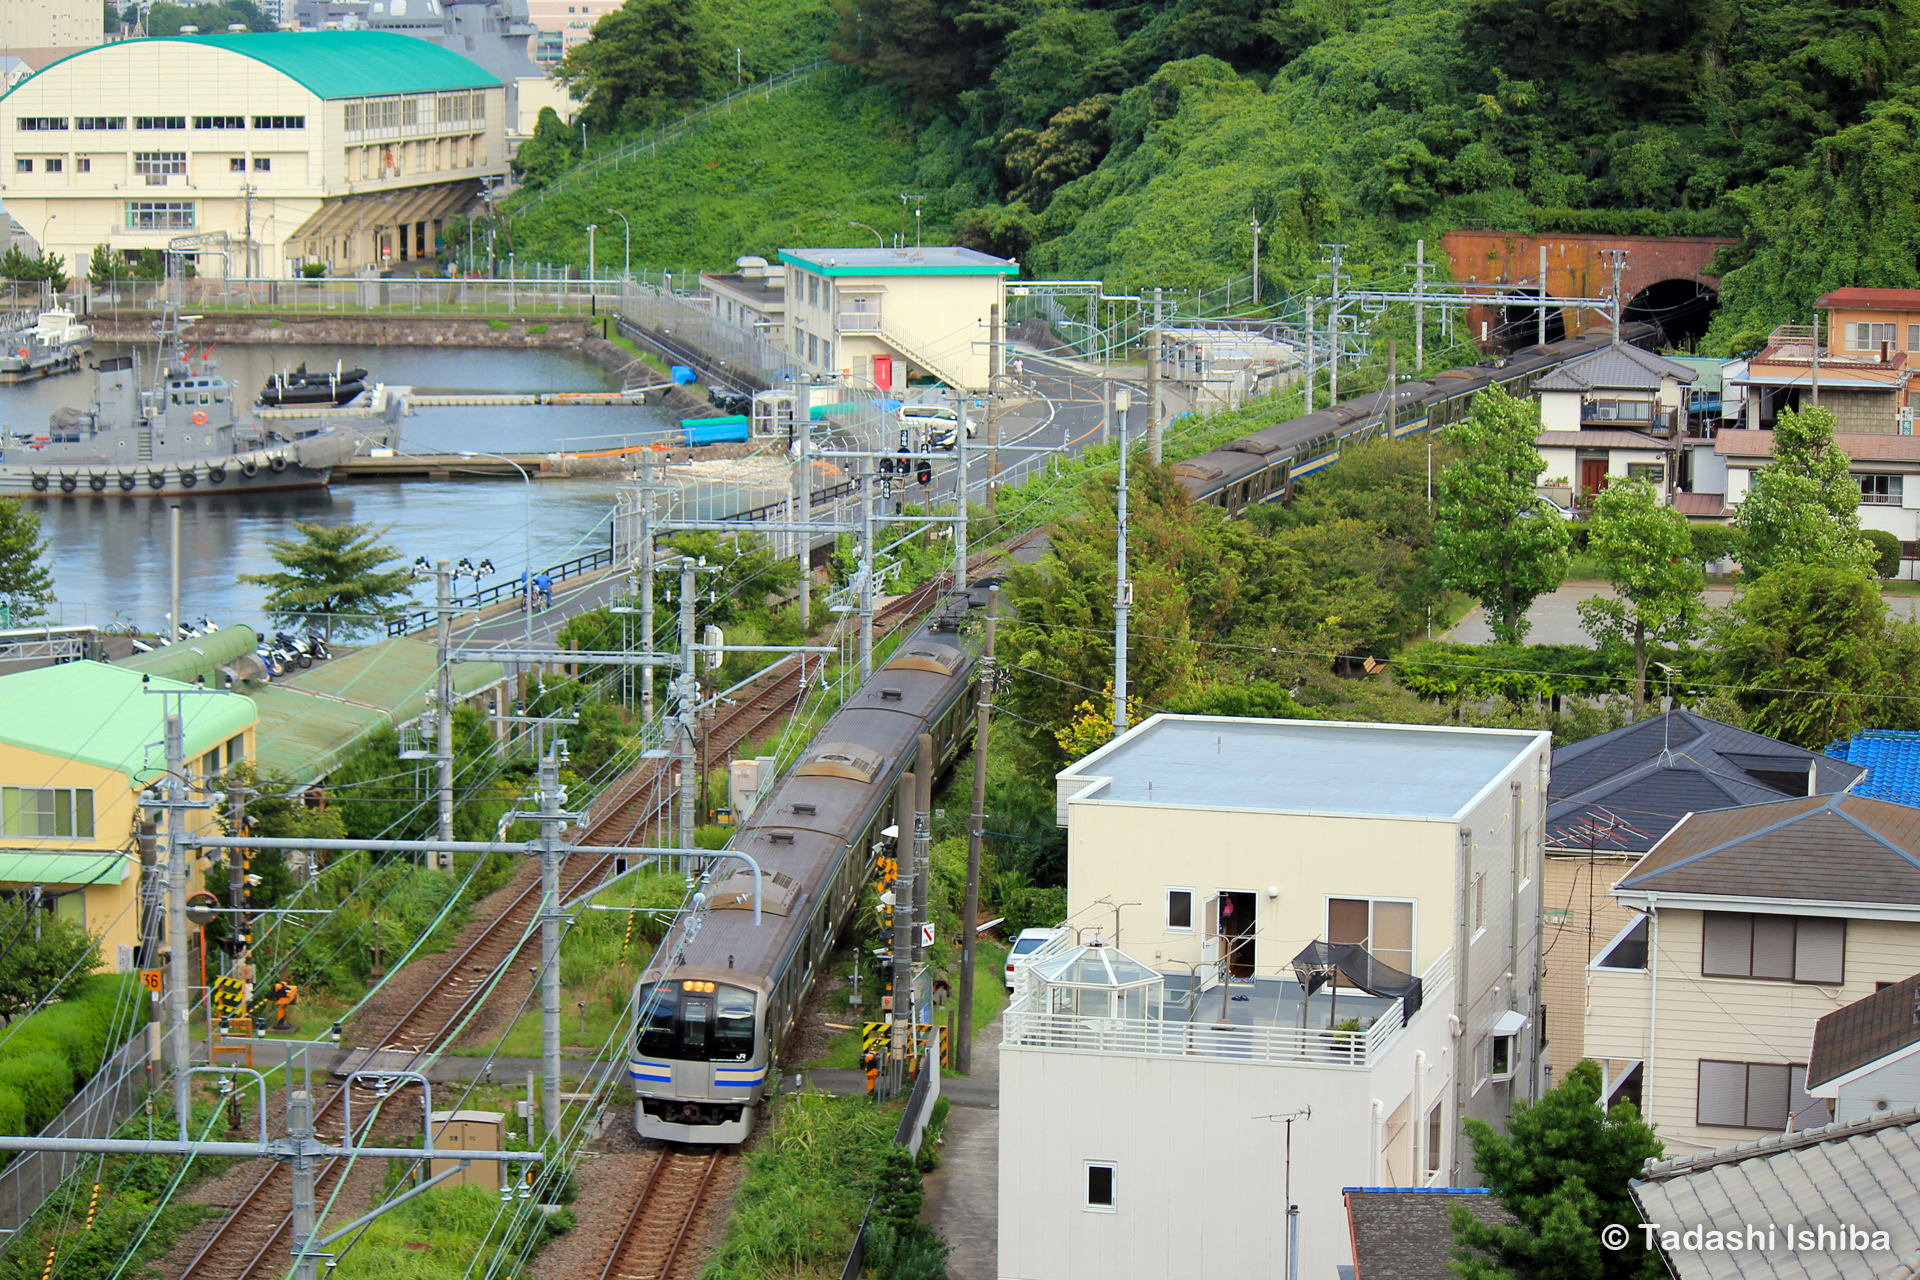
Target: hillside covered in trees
(1135,142)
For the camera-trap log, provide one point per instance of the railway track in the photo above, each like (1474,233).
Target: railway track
(654,1239)
(254,1240)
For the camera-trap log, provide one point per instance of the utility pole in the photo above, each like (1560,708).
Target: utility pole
(646,586)
(178,1003)
(552,849)
(1393,385)
(174,630)
(1619,259)
(960,490)
(866,570)
(1153,395)
(300,1138)
(994,373)
(976,832)
(1122,595)
(1540,314)
(1816,358)
(1335,259)
(1255,224)
(238,864)
(1419,305)
(803,483)
(443,717)
(924,768)
(1310,353)
(688,686)
(247,190)
(900,1015)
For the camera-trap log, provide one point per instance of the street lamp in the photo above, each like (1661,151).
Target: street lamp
(877,237)
(591,270)
(626,245)
(526,577)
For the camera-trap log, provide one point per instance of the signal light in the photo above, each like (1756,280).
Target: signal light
(926,471)
(692,984)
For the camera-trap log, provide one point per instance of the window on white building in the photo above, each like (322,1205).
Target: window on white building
(54,164)
(1747,1095)
(100,122)
(23,166)
(1881,491)
(160,215)
(59,813)
(1383,926)
(1436,1136)
(41,124)
(83,165)
(159,122)
(262,164)
(219,122)
(1179,911)
(1100,1197)
(279,122)
(236,164)
(1654,473)
(159,164)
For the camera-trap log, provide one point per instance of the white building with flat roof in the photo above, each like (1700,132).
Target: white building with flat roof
(877,316)
(349,148)
(1340,919)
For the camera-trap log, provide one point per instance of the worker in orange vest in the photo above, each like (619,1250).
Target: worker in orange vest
(870,1063)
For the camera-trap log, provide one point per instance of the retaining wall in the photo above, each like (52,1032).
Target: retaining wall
(555,333)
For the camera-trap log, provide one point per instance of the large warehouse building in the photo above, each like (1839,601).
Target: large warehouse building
(344,147)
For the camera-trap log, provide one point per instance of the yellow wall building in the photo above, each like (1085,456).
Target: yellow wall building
(343,147)
(78,743)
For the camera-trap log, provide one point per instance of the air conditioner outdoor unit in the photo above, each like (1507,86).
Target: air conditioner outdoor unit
(1604,413)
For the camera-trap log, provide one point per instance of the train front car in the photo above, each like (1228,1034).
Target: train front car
(699,1057)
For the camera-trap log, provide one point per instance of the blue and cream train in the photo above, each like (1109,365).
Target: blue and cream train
(1263,465)
(708,1030)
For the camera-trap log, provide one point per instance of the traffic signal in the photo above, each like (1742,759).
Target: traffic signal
(926,471)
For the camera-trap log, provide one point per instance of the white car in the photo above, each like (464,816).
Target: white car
(934,424)
(1029,941)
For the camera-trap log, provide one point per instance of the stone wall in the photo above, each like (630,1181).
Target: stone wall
(1859,412)
(520,332)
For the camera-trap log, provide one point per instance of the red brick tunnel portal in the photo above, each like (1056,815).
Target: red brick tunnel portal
(1664,280)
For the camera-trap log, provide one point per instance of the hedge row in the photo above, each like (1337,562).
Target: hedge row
(49,1055)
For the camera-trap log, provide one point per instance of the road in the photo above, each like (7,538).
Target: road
(1056,408)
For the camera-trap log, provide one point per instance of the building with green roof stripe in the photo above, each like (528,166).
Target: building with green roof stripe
(350,148)
(78,743)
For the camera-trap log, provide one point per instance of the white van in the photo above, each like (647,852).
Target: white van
(931,426)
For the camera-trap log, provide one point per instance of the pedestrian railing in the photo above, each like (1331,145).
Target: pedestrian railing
(420,619)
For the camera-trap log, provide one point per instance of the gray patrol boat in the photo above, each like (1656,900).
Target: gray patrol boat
(182,434)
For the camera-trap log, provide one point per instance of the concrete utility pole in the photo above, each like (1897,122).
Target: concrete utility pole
(646,586)
(552,849)
(1540,315)
(238,864)
(1122,596)
(688,703)
(803,483)
(960,490)
(924,768)
(976,831)
(1393,385)
(1816,359)
(300,1165)
(178,992)
(900,1015)
(1255,224)
(1335,259)
(174,629)
(1619,259)
(443,711)
(1310,353)
(1419,306)
(1153,391)
(866,570)
(994,387)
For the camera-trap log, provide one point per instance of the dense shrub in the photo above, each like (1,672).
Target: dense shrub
(48,1055)
(1886,547)
(1714,542)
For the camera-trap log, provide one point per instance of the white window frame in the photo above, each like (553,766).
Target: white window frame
(1193,897)
(1478,905)
(1086,1186)
(1413,941)
(1435,1154)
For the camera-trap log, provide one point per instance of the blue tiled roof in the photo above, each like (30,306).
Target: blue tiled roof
(1892,757)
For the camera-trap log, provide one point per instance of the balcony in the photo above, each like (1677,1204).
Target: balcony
(1265,1027)
(858,321)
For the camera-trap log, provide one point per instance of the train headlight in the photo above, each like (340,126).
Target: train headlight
(694,984)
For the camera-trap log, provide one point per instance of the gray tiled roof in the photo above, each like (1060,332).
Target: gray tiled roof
(1402,1233)
(1619,367)
(1644,778)
(1864,1174)
(1865,1031)
(1839,848)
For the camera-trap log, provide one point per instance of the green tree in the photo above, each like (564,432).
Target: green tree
(332,577)
(1645,549)
(552,149)
(1496,540)
(647,60)
(1886,551)
(42,955)
(1804,507)
(26,583)
(107,267)
(1562,1170)
(1811,645)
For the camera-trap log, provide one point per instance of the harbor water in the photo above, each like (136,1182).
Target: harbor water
(109,553)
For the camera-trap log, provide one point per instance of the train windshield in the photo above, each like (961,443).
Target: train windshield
(696,1021)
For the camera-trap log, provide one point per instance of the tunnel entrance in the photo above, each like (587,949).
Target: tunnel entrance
(1682,308)
(1520,326)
